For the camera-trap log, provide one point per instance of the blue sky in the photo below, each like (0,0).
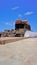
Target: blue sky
(11,10)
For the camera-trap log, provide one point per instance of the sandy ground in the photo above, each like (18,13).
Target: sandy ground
(22,52)
(5,40)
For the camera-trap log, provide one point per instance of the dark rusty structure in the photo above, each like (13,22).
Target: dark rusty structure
(21,27)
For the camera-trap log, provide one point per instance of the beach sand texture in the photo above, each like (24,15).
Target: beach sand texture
(22,52)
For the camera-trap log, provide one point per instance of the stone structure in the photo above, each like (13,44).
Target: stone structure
(8,33)
(21,27)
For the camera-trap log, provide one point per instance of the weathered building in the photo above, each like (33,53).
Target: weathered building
(8,33)
(21,27)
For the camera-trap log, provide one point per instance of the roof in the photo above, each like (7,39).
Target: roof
(25,22)
(18,22)
(22,22)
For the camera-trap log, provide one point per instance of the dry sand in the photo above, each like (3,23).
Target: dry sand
(22,52)
(5,40)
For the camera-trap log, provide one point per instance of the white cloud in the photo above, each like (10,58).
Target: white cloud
(16,7)
(13,23)
(28,13)
(8,24)
(19,15)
